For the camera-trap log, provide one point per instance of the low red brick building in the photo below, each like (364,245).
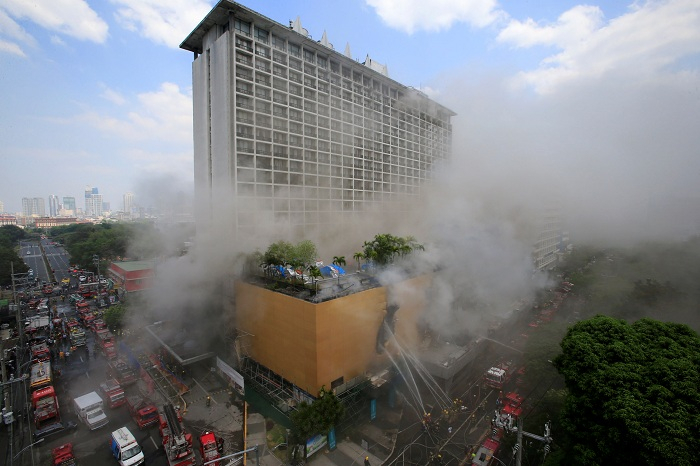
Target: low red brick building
(131,275)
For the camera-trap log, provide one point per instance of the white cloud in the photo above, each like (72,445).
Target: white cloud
(113,96)
(167,23)
(415,15)
(12,48)
(57,41)
(162,117)
(11,30)
(637,44)
(73,18)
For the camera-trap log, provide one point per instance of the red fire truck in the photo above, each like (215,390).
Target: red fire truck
(142,411)
(112,393)
(41,352)
(120,370)
(63,455)
(105,341)
(177,442)
(47,417)
(209,447)
(499,377)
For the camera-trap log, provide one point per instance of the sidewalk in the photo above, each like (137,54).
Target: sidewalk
(347,452)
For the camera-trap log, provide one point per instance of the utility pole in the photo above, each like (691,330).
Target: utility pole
(18,314)
(518,450)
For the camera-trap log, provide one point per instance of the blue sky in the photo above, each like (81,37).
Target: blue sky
(603,97)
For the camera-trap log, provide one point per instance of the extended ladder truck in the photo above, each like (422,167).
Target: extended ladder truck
(177,442)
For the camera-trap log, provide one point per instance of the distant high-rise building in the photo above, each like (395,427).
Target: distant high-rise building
(2,207)
(93,202)
(69,205)
(106,207)
(128,203)
(53,205)
(33,207)
(308,136)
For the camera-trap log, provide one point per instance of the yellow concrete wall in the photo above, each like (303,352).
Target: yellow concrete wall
(312,345)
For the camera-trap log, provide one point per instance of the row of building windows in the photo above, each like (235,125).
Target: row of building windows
(298,194)
(351,84)
(287,174)
(294,96)
(311,223)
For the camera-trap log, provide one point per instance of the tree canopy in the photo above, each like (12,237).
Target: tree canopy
(109,241)
(303,254)
(384,248)
(9,236)
(632,392)
(319,417)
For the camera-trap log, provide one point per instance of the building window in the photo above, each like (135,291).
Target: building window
(279,43)
(309,56)
(261,35)
(295,50)
(321,61)
(242,27)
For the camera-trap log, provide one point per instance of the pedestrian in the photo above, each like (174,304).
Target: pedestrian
(449,430)
(61,355)
(366,460)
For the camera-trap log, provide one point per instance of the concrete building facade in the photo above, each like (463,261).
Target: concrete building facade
(291,134)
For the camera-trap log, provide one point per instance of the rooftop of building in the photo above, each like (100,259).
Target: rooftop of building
(133,266)
(220,15)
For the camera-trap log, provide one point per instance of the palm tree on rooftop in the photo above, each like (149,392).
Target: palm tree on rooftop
(358,256)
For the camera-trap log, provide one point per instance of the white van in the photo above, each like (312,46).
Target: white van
(125,448)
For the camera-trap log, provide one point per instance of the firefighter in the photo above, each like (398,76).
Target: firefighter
(366,460)
(208,400)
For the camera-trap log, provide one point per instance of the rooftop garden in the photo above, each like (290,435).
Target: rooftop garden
(294,268)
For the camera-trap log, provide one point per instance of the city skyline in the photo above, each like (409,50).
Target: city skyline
(570,94)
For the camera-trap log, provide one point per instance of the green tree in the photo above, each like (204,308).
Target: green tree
(9,259)
(384,248)
(318,417)
(114,317)
(339,260)
(358,256)
(632,392)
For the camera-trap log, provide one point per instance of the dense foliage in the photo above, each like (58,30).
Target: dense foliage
(10,235)
(632,392)
(385,248)
(109,241)
(114,317)
(318,417)
(283,253)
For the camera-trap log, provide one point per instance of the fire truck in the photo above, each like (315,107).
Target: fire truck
(112,393)
(77,336)
(88,290)
(498,377)
(63,455)
(176,441)
(512,405)
(40,376)
(485,452)
(105,341)
(209,447)
(47,417)
(142,411)
(120,370)
(97,325)
(41,352)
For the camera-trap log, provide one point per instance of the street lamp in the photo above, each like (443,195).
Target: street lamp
(28,446)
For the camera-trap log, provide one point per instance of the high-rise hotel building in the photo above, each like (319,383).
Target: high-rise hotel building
(291,134)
